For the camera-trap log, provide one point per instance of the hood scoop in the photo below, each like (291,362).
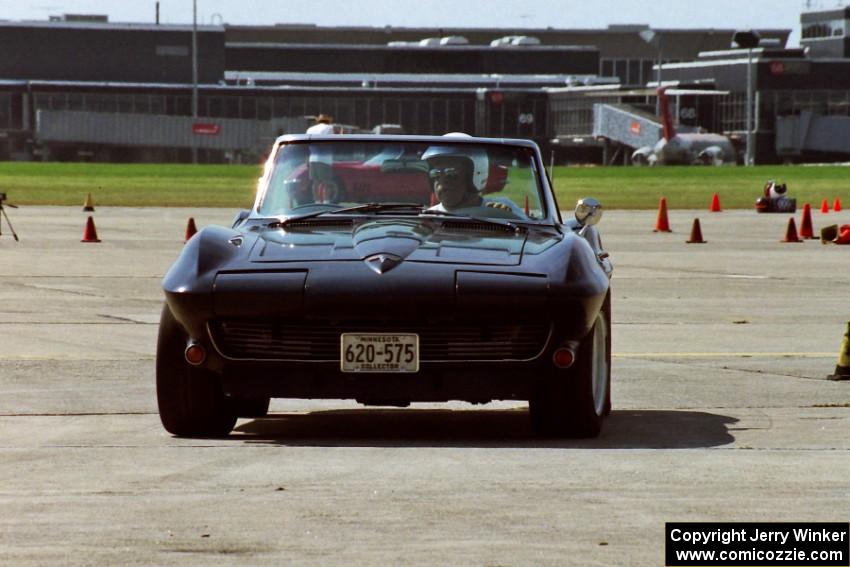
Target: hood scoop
(383,263)
(383,246)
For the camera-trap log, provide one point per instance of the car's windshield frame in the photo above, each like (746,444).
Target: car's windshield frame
(538,181)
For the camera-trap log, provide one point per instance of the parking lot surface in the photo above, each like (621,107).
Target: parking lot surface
(722,413)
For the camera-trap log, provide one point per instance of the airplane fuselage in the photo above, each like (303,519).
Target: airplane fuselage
(687,149)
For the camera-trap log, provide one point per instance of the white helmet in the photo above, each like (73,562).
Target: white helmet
(777,190)
(476,156)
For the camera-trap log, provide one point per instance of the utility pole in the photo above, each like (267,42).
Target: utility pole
(660,65)
(653,38)
(748,161)
(748,40)
(194,77)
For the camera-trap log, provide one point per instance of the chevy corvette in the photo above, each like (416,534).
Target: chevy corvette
(390,294)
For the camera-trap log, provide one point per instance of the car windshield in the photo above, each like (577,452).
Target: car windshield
(477,180)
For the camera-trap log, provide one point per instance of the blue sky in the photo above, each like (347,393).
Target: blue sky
(735,14)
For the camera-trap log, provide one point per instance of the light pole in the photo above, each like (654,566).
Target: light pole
(748,40)
(749,157)
(194,77)
(653,38)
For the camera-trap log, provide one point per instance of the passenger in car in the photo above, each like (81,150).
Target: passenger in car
(322,126)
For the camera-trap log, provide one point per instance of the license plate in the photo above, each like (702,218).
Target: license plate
(377,352)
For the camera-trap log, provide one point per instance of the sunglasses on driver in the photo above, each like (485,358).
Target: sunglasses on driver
(450,173)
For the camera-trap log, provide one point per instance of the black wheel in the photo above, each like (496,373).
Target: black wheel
(575,403)
(191,402)
(252,407)
(607,309)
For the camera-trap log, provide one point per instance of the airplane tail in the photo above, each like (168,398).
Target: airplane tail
(666,120)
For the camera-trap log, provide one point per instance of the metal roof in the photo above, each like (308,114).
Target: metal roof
(109,26)
(412,79)
(410,46)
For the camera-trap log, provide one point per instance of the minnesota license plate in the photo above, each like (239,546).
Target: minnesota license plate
(376,352)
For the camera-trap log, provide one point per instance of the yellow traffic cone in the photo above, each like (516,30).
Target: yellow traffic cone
(842,369)
(88,205)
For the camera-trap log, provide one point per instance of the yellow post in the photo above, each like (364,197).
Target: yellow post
(842,369)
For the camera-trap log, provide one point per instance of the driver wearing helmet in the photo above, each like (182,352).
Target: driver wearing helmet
(458,175)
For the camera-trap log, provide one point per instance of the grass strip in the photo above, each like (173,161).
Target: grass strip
(233,186)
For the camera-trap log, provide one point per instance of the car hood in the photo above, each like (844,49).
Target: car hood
(417,240)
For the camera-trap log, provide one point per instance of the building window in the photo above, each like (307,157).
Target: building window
(824,29)
(634,72)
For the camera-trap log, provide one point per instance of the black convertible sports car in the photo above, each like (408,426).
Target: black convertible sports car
(387,295)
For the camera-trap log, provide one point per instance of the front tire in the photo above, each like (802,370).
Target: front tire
(190,399)
(574,403)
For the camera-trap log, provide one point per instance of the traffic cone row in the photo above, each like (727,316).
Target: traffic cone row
(807,230)
(90,232)
(828,234)
(836,206)
(662,223)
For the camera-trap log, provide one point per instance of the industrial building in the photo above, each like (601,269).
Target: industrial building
(94,90)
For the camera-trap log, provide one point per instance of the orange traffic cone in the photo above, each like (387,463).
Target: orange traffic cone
(90,232)
(662,224)
(824,206)
(715,204)
(191,229)
(806,230)
(88,204)
(791,232)
(433,199)
(696,234)
(836,206)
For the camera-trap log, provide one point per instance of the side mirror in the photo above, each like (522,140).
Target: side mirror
(588,212)
(240,216)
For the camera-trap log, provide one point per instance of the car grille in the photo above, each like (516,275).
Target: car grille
(314,341)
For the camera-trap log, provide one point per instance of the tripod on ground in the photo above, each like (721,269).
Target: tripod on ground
(4,215)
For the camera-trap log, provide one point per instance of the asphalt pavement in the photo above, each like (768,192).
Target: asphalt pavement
(722,412)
